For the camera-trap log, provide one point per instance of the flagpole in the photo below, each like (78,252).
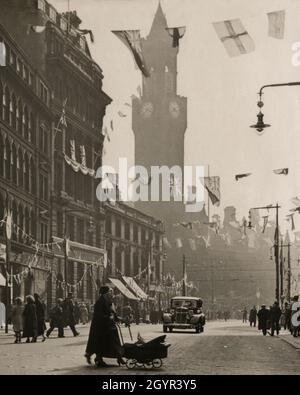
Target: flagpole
(208,206)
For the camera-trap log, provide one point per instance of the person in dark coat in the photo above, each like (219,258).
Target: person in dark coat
(263,317)
(30,328)
(252,316)
(275,314)
(69,314)
(56,319)
(287,313)
(103,337)
(40,315)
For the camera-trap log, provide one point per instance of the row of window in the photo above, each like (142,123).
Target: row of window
(19,168)
(25,73)
(127,234)
(25,219)
(20,117)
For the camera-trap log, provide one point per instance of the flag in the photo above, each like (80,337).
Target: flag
(276,24)
(234,37)
(2,55)
(284,171)
(35,29)
(166,242)
(265,218)
(83,155)
(72,148)
(238,176)
(121,114)
(178,243)
(62,119)
(83,32)
(192,243)
(290,218)
(132,39)
(296,201)
(212,185)
(176,33)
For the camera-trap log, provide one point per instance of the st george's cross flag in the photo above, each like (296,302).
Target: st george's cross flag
(234,37)
(132,40)
(276,21)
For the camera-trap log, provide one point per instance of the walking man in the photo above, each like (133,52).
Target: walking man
(69,314)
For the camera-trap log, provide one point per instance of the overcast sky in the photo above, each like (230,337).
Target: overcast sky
(221,91)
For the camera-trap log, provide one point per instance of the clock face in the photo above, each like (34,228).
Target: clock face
(147,110)
(174,109)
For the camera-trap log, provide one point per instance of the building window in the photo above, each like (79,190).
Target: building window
(127,230)
(44,233)
(20,117)
(52,14)
(44,187)
(127,265)
(43,139)
(135,264)
(13,115)
(108,224)
(98,236)
(6,104)
(80,231)
(135,233)
(143,236)
(59,224)
(118,227)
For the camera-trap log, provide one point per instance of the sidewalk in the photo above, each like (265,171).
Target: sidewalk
(293,341)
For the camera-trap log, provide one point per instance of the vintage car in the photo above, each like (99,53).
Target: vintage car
(185,313)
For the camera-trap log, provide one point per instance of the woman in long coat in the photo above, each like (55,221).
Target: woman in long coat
(30,328)
(40,315)
(103,337)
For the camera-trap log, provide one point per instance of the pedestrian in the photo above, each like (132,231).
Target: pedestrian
(252,316)
(84,314)
(287,313)
(103,338)
(275,314)
(69,317)
(17,319)
(30,327)
(294,309)
(40,316)
(76,312)
(245,314)
(56,319)
(263,318)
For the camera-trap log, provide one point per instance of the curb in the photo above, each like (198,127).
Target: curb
(291,342)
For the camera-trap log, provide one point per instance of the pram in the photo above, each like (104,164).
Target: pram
(148,355)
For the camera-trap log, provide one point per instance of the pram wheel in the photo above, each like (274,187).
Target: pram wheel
(157,363)
(131,363)
(148,365)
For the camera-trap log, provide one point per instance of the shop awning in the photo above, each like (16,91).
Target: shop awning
(2,281)
(136,289)
(121,287)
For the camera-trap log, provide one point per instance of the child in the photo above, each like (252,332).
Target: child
(17,319)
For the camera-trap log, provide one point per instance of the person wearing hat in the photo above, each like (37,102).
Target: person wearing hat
(263,317)
(69,314)
(56,319)
(103,338)
(40,316)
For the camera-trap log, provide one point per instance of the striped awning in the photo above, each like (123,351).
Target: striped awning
(136,289)
(122,288)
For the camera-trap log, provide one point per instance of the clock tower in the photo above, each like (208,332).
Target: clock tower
(159,116)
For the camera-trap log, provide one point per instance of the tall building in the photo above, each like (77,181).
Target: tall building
(159,116)
(25,169)
(60,52)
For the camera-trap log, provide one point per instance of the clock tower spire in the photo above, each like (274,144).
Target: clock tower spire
(159,116)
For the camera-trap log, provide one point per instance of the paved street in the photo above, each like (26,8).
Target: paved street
(224,348)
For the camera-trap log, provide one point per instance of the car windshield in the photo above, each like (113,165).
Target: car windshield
(189,304)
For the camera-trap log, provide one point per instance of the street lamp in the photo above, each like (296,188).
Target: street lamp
(260,125)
